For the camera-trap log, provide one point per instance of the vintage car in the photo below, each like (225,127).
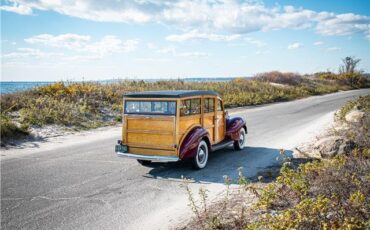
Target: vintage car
(176,125)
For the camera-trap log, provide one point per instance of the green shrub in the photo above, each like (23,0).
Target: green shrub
(334,194)
(9,129)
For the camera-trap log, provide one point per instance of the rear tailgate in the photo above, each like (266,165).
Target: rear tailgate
(150,135)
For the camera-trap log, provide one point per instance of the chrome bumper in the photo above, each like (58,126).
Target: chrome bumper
(148,158)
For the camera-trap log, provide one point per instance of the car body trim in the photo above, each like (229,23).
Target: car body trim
(149,158)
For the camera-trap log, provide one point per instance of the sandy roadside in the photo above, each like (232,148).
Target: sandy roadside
(70,139)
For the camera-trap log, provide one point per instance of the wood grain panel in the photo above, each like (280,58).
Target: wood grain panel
(209,124)
(150,131)
(186,122)
(147,124)
(151,152)
(150,139)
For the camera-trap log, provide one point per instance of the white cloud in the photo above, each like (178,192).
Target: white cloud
(150,60)
(295,45)
(234,16)
(255,42)
(367,35)
(69,41)
(111,44)
(173,51)
(17,8)
(195,35)
(81,58)
(318,43)
(9,42)
(82,43)
(167,50)
(260,52)
(30,53)
(192,54)
(343,24)
(331,49)
(80,48)
(210,17)
(151,45)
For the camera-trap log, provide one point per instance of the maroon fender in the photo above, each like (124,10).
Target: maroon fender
(190,144)
(233,126)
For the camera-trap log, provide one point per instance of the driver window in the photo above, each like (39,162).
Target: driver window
(219,105)
(209,105)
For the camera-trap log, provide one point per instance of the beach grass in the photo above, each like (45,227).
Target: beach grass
(86,105)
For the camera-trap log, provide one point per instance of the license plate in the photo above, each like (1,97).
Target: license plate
(121,148)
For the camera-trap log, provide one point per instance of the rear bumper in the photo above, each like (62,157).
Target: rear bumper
(148,158)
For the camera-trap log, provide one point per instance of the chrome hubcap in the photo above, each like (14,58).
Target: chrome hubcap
(241,138)
(201,155)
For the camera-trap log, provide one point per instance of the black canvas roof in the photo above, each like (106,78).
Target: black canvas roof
(170,93)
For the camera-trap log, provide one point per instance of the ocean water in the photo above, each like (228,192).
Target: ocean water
(11,87)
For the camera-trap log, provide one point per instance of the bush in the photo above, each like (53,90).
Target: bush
(355,80)
(280,78)
(9,129)
(332,194)
(319,195)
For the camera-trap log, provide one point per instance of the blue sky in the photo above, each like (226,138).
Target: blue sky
(75,40)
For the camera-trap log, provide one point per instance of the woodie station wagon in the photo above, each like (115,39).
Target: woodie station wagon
(176,125)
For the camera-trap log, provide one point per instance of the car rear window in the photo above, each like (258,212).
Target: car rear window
(150,107)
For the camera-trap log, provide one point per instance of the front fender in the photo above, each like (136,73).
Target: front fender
(189,145)
(233,126)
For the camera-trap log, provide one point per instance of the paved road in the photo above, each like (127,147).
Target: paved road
(87,187)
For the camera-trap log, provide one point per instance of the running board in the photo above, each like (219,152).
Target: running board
(222,145)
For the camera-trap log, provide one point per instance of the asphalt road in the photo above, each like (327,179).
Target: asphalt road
(85,186)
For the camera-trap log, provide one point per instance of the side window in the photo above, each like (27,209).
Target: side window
(209,105)
(219,105)
(190,107)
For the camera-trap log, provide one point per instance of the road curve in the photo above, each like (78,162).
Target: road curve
(85,186)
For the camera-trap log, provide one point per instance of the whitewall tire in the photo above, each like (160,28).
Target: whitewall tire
(201,158)
(239,144)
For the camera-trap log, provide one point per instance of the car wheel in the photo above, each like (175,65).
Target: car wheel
(239,144)
(201,158)
(144,162)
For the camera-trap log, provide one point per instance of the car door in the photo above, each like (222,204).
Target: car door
(219,121)
(209,117)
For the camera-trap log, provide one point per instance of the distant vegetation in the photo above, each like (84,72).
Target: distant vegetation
(89,104)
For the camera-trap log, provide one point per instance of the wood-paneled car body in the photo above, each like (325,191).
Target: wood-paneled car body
(176,125)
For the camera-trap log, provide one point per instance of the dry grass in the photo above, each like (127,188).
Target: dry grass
(91,104)
(280,78)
